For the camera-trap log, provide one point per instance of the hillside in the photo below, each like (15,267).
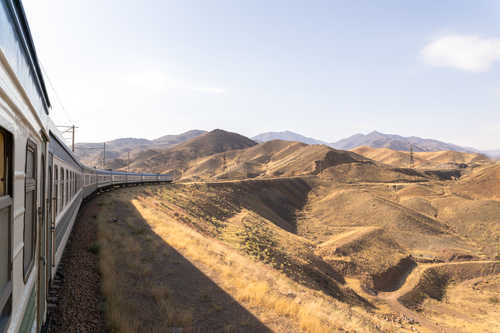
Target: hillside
(396,142)
(290,159)
(178,157)
(354,248)
(119,151)
(482,183)
(429,160)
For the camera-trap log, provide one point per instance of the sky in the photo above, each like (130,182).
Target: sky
(324,69)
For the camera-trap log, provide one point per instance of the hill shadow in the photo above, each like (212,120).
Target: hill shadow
(277,200)
(210,308)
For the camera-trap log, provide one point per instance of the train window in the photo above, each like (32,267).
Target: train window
(56,189)
(5,228)
(66,192)
(62,188)
(69,185)
(30,183)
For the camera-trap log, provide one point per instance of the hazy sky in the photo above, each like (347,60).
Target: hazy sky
(326,69)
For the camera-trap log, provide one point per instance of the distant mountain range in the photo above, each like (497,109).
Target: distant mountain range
(396,142)
(287,136)
(118,151)
(128,151)
(377,140)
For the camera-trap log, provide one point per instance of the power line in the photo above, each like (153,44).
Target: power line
(69,129)
(55,93)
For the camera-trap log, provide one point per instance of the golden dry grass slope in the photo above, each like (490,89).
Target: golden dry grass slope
(429,160)
(482,183)
(200,281)
(299,254)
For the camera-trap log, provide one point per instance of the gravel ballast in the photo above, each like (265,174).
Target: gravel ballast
(77,302)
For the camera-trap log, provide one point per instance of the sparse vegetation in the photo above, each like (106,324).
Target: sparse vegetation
(296,254)
(277,301)
(94,248)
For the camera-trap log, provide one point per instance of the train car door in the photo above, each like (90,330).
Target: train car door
(42,284)
(6,223)
(50,221)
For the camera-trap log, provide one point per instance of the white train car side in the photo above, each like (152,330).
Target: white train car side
(42,183)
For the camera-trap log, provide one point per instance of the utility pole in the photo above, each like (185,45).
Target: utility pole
(104,157)
(73,140)
(128,161)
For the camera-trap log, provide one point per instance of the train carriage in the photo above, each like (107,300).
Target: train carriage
(42,183)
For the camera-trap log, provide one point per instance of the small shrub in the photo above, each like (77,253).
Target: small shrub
(94,248)
(497,257)
(494,300)
(139,232)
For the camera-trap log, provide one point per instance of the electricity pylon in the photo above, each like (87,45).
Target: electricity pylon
(412,161)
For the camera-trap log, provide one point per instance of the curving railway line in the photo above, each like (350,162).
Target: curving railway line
(42,183)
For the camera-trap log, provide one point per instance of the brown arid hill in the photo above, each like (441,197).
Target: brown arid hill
(177,158)
(481,183)
(423,160)
(279,158)
(270,159)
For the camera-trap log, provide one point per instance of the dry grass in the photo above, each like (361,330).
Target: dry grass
(468,306)
(131,295)
(276,300)
(257,240)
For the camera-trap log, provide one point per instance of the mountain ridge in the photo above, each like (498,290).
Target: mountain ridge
(377,139)
(287,136)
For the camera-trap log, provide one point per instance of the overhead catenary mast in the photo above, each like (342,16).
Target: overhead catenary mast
(69,129)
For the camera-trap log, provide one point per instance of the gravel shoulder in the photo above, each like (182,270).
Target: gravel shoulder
(77,291)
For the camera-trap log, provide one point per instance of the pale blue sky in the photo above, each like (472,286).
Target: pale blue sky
(326,69)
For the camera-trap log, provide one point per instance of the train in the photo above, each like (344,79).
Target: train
(42,182)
